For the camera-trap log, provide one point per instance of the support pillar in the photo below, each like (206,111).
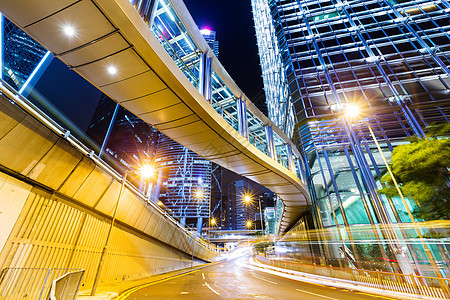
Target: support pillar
(270,142)
(205,83)
(291,162)
(242,117)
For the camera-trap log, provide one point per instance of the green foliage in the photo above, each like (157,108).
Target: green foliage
(422,169)
(372,252)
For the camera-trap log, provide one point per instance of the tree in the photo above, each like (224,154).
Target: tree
(422,169)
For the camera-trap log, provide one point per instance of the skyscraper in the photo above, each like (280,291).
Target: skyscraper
(210,38)
(184,182)
(20,54)
(390,57)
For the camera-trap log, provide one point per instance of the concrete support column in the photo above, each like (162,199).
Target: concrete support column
(205,83)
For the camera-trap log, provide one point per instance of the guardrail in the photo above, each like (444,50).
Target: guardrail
(66,287)
(437,288)
(35,112)
(29,283)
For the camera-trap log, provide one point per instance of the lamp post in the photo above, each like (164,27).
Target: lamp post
(145,171)
(353,112)
(248,200)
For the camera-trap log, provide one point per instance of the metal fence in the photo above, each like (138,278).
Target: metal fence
(66,287)
(411,284)
(29,283)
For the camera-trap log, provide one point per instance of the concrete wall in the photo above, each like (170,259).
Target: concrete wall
(56,206)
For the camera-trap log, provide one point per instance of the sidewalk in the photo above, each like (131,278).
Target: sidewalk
(111,291)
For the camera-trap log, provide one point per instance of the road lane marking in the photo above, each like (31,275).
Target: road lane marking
(318,295)
(372,295)
(212,289)
(203,275)
(264,279)
(317,284)
(184,293)
(135,289)
(127,293)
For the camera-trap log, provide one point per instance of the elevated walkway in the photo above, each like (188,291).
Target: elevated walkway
(139,65)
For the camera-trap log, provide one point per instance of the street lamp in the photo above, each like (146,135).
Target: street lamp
(248,200)
(249,224)
(353,111)
(144,171)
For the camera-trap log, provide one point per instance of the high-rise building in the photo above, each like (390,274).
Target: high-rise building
(186,178)
(391,57)
(184,182)
(210,38)
(122,136)
(20,54)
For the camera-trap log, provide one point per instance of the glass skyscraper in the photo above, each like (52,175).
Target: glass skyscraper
(184,182)
(20,54)
(391,57)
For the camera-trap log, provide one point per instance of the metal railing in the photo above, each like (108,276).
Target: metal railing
(29,283)
(67,286)
(31,109)
(396,282)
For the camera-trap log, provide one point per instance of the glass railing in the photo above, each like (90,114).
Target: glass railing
(173,35)
(257,133)
(176,40)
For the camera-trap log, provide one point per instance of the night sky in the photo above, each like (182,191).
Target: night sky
(233,22)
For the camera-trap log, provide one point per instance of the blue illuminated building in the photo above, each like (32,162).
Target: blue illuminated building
(390,57)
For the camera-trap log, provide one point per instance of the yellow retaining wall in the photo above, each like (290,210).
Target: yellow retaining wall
(56,205)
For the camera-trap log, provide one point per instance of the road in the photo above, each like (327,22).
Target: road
(233,280)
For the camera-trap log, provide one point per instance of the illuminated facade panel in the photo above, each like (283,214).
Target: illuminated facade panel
(389,57)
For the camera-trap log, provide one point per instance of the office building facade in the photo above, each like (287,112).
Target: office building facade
(210,38)
(389,57)
(20,54)
(184,183)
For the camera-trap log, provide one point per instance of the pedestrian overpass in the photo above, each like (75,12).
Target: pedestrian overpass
(151,58)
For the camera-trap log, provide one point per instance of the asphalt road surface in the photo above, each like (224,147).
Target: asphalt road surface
(232,280)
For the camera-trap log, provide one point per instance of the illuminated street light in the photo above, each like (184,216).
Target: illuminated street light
(249,224)
(199,194)
(147,171)
(213,222)
(352,111)
(248,200)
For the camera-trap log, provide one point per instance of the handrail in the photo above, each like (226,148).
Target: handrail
(407,283)
(43,118)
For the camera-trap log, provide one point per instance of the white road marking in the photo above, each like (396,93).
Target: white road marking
(318,295)
(203,275)
(212,289)
(264,279)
